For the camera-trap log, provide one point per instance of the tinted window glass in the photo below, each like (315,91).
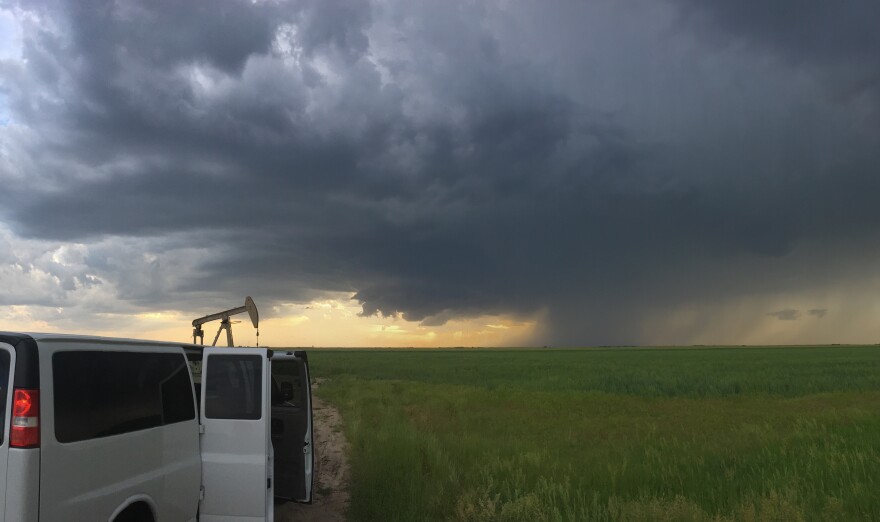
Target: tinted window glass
(288,377)
(233,387)
(98,394)
(4,389)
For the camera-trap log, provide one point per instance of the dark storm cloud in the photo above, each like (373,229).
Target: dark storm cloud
(841,38)
(818,312)
(788,314)
(438,160)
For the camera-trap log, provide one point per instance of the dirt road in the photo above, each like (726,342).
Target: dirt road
(330,494)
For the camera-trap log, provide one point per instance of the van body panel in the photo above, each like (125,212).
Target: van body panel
(77,485)
(7,367)
(235,442)
(23,486)
(87,480)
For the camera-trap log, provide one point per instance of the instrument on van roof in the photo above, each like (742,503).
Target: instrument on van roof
(226,324)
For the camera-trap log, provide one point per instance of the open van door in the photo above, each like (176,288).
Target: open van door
(292,441)
(235,443)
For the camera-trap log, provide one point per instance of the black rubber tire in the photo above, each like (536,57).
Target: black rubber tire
(137,512)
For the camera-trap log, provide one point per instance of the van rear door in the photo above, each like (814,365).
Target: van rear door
(292,426)
(235,443)
(7,364)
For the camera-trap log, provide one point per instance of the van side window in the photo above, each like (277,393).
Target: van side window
(4,389)
(233,385)
(103,393)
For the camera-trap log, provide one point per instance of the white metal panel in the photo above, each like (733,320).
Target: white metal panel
(235,452)
(88,480)
(4,447)
(23,486)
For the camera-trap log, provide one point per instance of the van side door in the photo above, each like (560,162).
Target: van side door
(235,443)
(292,426)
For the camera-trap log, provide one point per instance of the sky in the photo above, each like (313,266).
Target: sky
(456,173)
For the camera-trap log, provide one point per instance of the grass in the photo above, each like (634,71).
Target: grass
(619,434)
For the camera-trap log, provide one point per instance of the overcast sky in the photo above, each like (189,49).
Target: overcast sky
(403,172)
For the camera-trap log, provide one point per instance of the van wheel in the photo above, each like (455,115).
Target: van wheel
(137,512)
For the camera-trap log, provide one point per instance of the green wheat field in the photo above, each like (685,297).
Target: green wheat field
(750,434)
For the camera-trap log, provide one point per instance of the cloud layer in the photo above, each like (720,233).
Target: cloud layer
(594,164)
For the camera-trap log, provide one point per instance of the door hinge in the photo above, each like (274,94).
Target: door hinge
(268,483)
(201,429)
(202,493)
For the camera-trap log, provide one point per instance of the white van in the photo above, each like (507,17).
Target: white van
(98,429)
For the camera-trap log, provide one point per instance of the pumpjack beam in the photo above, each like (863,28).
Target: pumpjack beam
(225,323)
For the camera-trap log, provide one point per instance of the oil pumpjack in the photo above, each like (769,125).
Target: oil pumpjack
(226,324)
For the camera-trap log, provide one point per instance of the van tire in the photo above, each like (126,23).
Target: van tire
(137,512)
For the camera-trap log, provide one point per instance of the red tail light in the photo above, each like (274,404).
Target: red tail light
(25,431)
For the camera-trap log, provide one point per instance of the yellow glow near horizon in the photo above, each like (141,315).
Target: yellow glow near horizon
(322,323)
(334,322)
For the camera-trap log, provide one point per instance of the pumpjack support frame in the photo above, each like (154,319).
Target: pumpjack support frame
(226,323)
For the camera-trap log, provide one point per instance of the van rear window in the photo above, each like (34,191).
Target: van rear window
(4,389)
(101,393)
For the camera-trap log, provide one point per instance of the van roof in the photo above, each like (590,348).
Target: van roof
(26,346)
(90,338)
